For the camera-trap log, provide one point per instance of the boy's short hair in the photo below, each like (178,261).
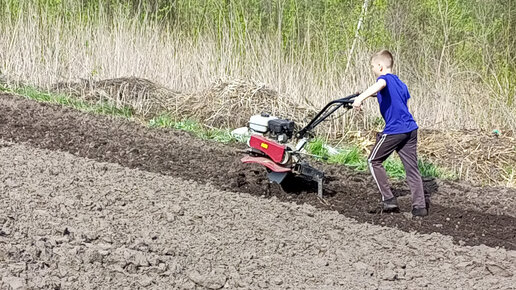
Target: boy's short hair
(385,57)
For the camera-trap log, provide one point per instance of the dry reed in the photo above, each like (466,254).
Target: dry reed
(49,51)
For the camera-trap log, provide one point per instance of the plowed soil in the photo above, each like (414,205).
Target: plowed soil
(489,218)
(111,197)
(75,223)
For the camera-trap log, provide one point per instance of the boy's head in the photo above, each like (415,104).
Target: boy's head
(382,62)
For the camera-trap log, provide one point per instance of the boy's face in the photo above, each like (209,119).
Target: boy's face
(376,67)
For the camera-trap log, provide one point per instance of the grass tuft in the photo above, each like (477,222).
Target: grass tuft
(351,157)
(316,147)
(215,134)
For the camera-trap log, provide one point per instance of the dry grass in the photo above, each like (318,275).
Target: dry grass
(143,96)
(47,52)
(230,104)
(477,156)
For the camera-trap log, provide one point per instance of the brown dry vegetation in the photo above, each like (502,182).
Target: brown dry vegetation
(68,42)
(475,155)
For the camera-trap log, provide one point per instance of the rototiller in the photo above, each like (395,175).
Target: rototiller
(270,144)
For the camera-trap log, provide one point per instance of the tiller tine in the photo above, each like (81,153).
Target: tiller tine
(276,177)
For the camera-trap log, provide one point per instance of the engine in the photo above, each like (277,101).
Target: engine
(280,130)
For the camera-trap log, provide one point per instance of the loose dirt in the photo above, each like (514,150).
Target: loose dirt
(76,223)
(488,219)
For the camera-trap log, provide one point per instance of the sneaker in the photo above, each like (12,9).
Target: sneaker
(419,212)
(390,205)
(386,206)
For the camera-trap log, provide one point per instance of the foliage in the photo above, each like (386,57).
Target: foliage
(351,157)
(317,147)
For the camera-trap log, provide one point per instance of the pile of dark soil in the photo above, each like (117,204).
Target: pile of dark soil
(179,154)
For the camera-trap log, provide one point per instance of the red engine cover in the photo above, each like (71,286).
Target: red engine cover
(274,150)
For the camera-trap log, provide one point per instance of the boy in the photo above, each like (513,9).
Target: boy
(400,134)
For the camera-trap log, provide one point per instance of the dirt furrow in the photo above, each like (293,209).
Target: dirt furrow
(178,154)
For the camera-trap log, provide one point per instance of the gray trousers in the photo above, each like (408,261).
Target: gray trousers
(406,146)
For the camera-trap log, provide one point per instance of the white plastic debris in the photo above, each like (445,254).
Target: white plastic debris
(242,131)
(242,134)
(331,150)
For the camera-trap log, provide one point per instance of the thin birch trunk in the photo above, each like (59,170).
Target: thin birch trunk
(360,20)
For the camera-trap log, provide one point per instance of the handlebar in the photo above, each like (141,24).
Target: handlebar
(347,102)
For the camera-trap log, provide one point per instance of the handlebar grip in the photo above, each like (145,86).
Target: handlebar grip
(348,99)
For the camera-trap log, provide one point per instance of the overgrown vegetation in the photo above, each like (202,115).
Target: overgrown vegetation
(458,57)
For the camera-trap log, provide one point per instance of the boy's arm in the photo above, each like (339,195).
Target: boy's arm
(375,88)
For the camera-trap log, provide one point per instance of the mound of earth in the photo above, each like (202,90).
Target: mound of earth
(143,97)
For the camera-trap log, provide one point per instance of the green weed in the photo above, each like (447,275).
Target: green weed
(316,147)
(351,157)
(215,134)
(394,167)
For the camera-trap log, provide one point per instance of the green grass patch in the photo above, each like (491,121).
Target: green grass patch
(353,157)
(199,130)
(317,147)
(428,169)
(394,167)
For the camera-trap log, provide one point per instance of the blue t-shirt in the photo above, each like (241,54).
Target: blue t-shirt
(393,106)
